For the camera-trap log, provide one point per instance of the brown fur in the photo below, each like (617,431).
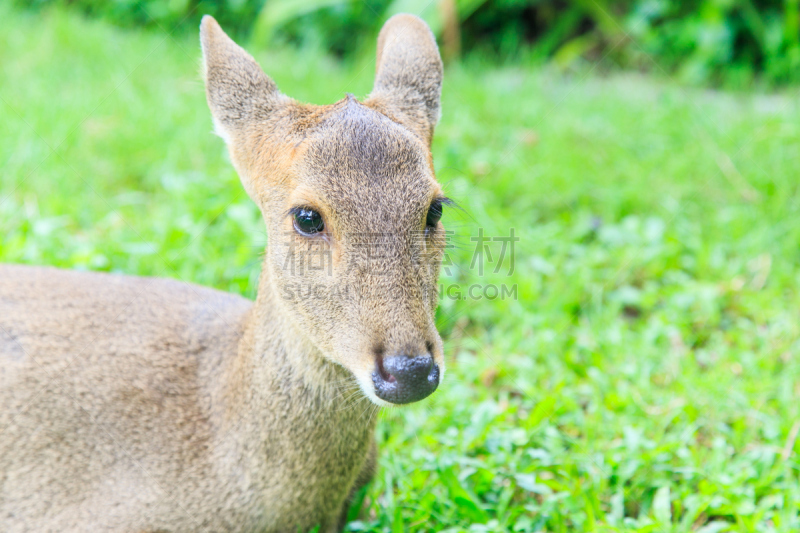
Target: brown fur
(138,404)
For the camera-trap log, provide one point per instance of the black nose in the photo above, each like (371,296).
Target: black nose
(405,379)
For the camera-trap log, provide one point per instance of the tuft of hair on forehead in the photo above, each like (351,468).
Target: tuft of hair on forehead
(366,144)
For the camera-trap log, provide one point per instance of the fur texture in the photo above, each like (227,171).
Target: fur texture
(151,405)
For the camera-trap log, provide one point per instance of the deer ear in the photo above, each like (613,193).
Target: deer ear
(238,91)
(408,78)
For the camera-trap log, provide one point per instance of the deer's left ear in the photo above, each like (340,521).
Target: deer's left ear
(408,78)
(238,92)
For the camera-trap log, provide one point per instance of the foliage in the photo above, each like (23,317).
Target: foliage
(726,40)
(236,15)
(718,41)
(645,380)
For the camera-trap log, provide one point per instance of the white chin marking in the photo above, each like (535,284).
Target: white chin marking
(368,388)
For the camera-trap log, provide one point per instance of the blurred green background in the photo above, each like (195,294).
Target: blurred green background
(646,376)
(730,42)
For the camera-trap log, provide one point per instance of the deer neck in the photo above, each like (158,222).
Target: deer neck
(278,368)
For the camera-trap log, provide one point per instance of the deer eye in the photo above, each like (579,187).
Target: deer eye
(307,221)
(434,214)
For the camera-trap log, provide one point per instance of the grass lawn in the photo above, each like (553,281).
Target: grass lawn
(645,378)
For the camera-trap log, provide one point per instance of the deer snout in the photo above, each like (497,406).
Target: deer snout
(405,378)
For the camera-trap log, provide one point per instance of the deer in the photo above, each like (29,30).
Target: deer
(136,404)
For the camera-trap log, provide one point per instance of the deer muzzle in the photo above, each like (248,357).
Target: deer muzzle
(404,379)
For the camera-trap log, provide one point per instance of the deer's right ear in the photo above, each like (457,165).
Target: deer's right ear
(238,91)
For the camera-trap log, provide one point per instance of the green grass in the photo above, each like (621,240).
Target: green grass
(647,378)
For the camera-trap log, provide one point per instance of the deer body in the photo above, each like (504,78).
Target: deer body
(237,441)
(150,405)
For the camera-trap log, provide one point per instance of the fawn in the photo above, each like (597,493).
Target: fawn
(150,405)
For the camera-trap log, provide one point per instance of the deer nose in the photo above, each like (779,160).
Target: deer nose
(404,379)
